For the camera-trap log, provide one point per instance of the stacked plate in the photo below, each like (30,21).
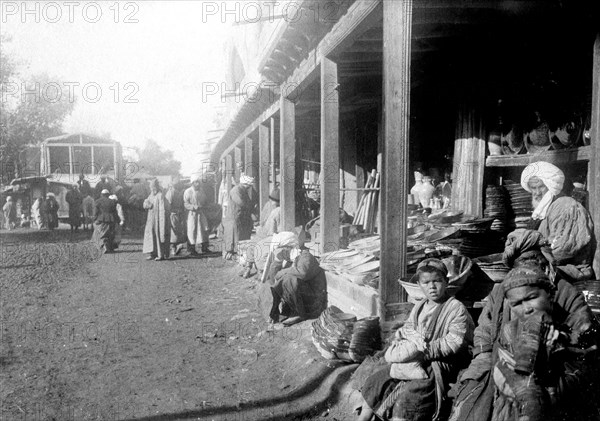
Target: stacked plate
(366,338)
(520,205)
(495,207)
(332,333)
(493,266)
(481,244)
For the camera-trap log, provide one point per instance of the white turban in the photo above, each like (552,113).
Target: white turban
(195,177)
(551,176)
(113,197)
(245,179)
(284,239)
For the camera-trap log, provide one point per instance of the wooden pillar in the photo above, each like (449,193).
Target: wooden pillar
(93,162)
(330,157)
(71,170)
(237,163)
(397,22)
(594,176)
(263,168)
(250,165)
(228,171)
(287,163)
(273,158)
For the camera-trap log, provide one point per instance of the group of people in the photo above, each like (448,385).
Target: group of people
(180,218)
(532,355)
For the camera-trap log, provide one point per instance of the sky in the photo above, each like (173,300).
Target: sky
(136,68)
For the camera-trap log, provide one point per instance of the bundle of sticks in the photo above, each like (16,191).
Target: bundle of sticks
(367,213)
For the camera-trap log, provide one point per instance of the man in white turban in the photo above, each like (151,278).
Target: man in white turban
(238,223)
(195,199)
(565,224)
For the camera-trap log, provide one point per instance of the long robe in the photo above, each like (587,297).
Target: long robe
(157,231)
(36,213)
(568,225)
(237,225)
(448,330)
(74,199)
(197,224)
(302,288)
(476,390)
(51,208)
(10,214)
(175,198)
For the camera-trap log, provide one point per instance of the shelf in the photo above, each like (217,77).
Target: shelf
(564,156)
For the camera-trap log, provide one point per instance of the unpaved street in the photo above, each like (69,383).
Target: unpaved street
(115,337)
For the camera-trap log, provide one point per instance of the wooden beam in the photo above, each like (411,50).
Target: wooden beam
(361,16)
(594,168)
(273,158)
(287,159)
(273,109)
(330,157)
(263,167)
(397,23)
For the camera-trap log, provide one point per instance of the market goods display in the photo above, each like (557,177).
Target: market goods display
(495,207)
(338,335)
(520,205)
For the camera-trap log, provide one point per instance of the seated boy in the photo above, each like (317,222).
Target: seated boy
(425,356)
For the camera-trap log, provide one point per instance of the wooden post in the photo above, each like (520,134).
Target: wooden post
(287,163)
(263,169)
(273,158)
(397,22)
(594,176)
(228,171)
(250,165)
(330,157)
(71,170)
(238,164)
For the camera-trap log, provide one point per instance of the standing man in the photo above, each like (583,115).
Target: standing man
(237,225)
(174,196)
(88,210)
(194,200)
(103,184)
(84,186)
(74,199)
(104,224)
(565,224)
(10,213)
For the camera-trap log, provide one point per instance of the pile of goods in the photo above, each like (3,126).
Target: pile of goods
(358,264)
(367,213)
(338,335)
(495,207)
(520,204)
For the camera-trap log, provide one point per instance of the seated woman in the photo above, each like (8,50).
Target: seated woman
(426,355)
(556,319)
(298,283)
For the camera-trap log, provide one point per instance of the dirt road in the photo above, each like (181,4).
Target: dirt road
(86,336)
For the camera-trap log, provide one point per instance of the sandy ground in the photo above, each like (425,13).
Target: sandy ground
(86,336)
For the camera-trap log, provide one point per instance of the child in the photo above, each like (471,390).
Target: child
(425,356)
